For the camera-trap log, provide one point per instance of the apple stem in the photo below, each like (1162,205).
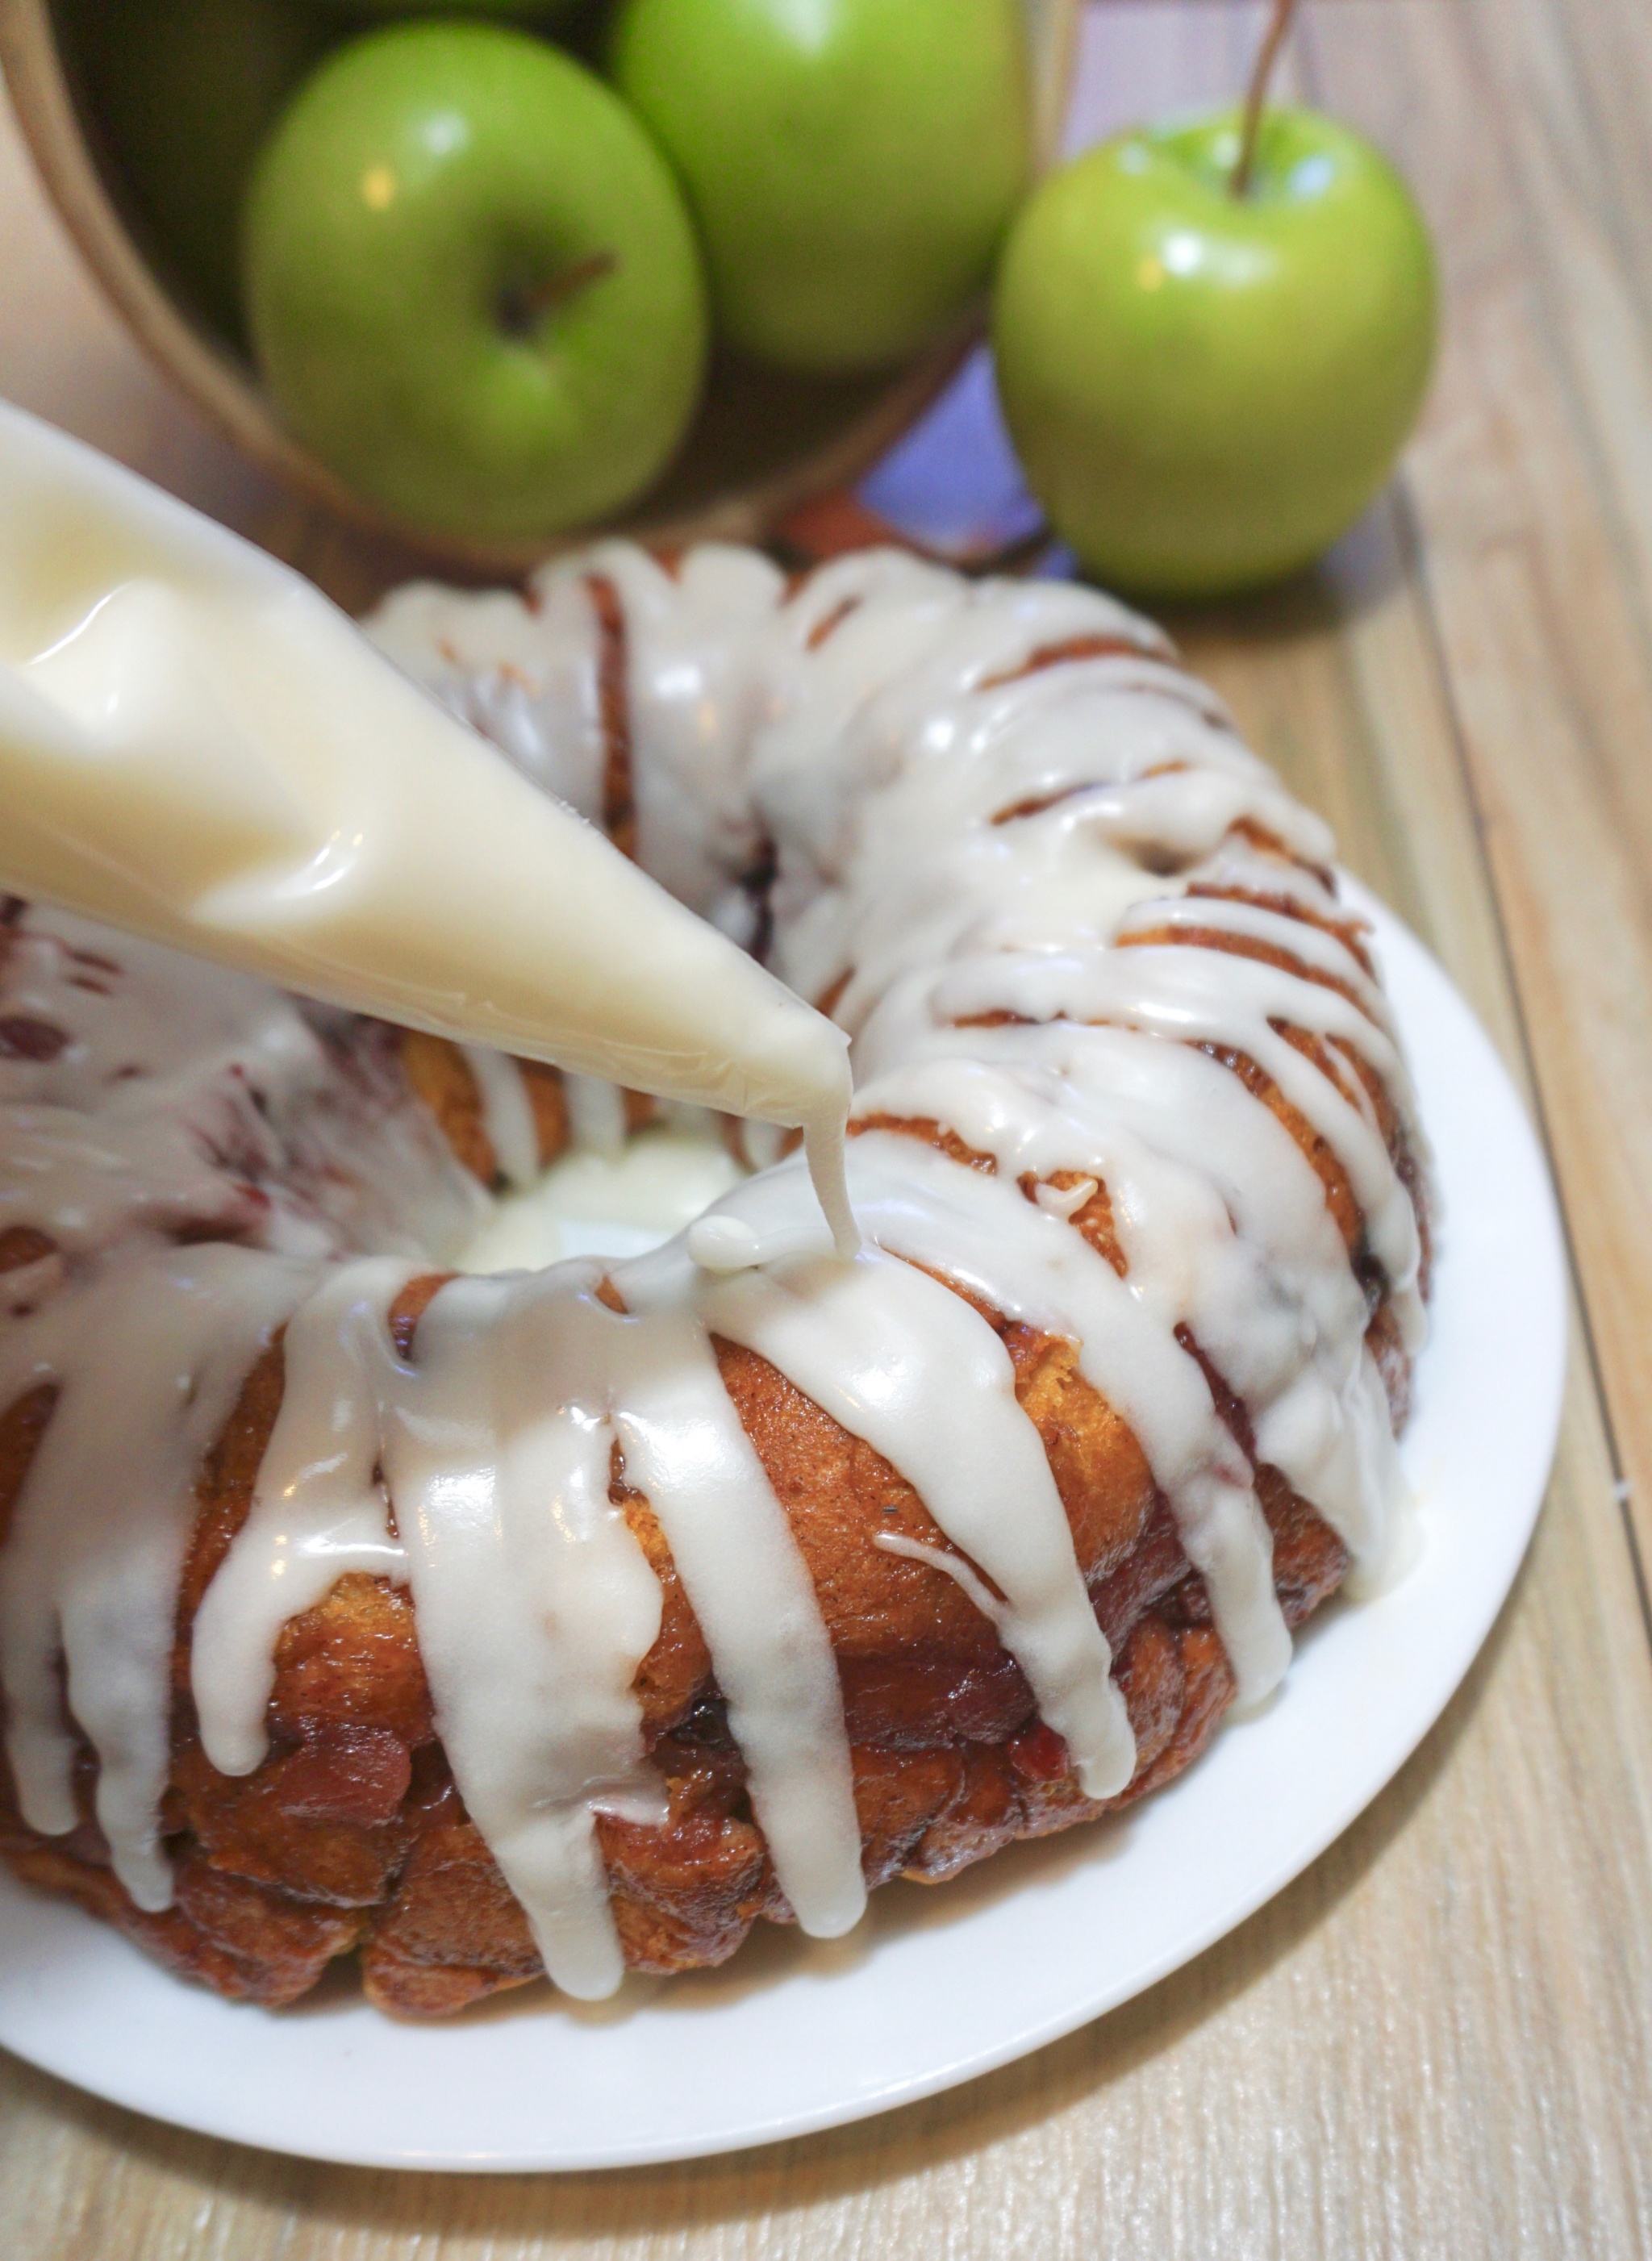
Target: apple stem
(1256,95)
(523,306)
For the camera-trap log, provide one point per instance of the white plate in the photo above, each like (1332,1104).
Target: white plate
(937,1985)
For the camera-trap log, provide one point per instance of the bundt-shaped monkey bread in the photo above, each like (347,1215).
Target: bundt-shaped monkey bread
(566,1620)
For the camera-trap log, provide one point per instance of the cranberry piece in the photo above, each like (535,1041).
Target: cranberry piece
(22,1038)
(1040,1755)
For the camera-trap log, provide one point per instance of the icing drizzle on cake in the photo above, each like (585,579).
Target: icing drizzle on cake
(1075,931)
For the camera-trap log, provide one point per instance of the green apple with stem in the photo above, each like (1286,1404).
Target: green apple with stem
(472,285)
(1212,337)
(853,164)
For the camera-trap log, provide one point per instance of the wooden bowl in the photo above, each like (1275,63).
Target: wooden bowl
(765,441)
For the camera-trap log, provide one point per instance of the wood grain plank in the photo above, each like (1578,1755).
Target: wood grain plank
(1536,516)
(1608,50)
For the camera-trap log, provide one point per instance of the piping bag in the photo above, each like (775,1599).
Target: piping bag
(197,746)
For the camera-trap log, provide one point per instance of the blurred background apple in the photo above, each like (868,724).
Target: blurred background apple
(471,282)
(853,164)
(544,11)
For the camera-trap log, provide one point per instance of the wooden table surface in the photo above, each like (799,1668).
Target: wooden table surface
(1437,2042)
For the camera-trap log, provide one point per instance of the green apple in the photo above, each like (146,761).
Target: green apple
(541,10)
(1204,388)
(471,282)
(852,163)
(184,91)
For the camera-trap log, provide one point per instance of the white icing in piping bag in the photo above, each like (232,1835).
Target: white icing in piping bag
(197,746)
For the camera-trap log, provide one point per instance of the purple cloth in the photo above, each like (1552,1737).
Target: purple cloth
(951,484)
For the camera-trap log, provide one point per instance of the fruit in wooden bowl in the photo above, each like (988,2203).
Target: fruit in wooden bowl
(765,439)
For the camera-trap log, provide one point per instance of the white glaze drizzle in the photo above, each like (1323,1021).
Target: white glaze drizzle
(596,1115)
(1192,996)
(535,1604)
(746,1581)
(1223,1221)
(173,1094)
(954,835)
(317,1512)
(900,1361)
(1033,1267)
(150,1355)
(494,1441)
(954,1567)
(507,1114)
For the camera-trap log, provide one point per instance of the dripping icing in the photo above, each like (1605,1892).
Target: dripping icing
(959,848)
